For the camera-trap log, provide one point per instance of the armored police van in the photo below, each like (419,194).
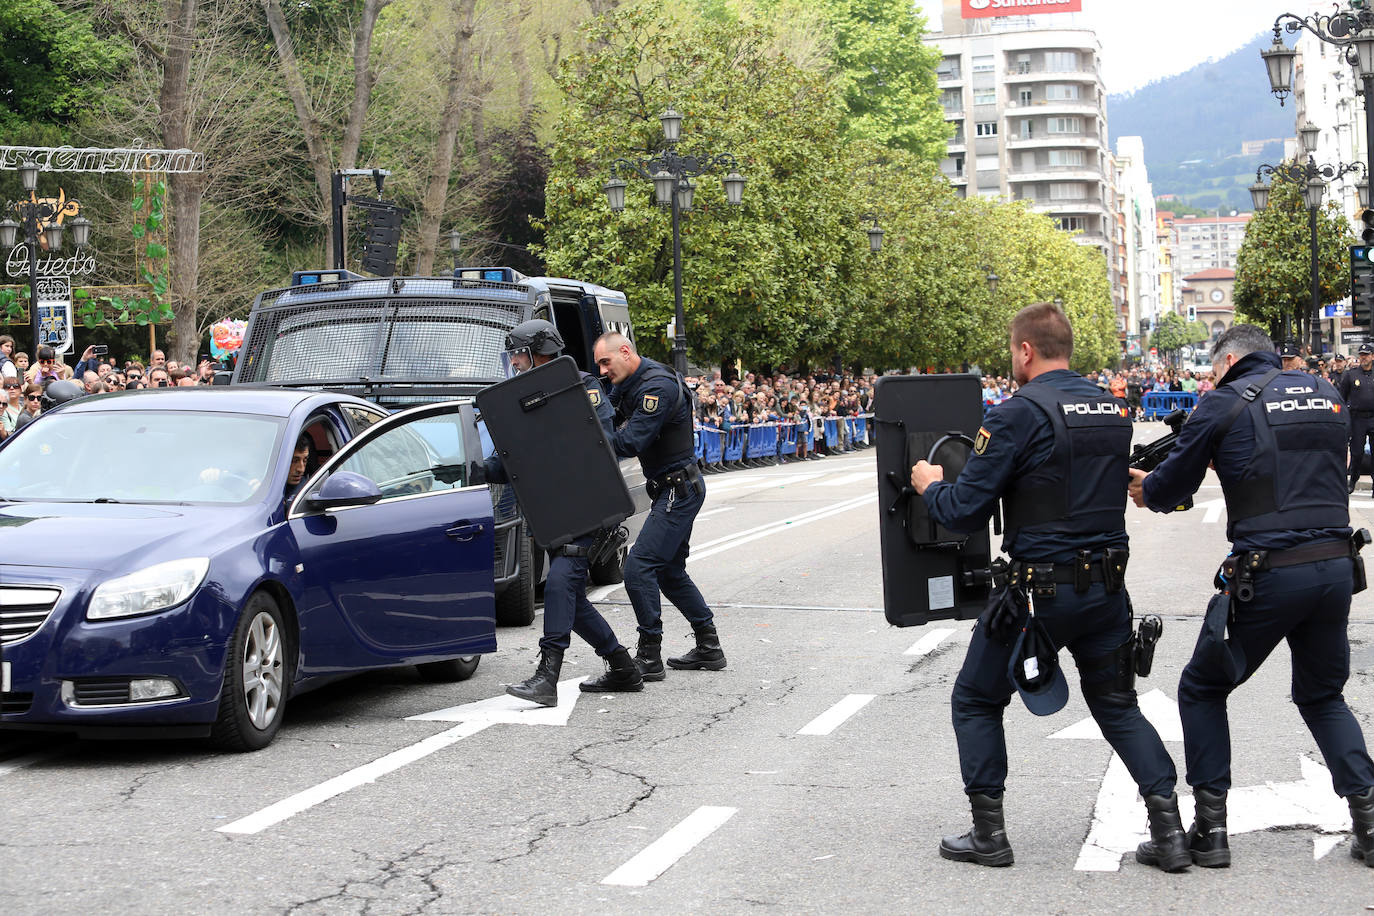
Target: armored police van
(401,341)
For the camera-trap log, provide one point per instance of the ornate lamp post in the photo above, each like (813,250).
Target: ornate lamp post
(455,244)
(40,217)
(1312,178)
(875,233)
(672,174)
(1350,30)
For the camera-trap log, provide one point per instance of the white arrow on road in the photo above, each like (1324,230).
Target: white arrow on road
(471,718)
(1119,817)
(1214,509)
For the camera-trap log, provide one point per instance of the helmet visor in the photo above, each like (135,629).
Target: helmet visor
(515,361)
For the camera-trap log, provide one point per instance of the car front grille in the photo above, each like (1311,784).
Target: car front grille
(15,703)
(95,692)
(23,610)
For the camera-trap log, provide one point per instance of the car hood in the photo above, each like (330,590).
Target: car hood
(111,536)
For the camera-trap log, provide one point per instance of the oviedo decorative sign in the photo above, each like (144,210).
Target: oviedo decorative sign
(977,9)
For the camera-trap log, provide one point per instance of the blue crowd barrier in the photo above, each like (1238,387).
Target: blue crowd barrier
(1159,404)
(734,443)
(787,439)
(831,431)
(710,445)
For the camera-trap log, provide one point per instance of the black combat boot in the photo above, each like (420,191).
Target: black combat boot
(543,687)
(622,675)
(1362,820)
(1207,837)
(648,657)
(987,842)
(707,653)
(1167,847)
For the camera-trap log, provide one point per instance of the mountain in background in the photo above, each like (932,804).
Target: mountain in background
(1195,123)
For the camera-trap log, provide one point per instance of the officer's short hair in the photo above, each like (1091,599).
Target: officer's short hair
(1046,327)
(1242,340)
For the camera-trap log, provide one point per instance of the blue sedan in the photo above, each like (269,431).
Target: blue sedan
(165,569)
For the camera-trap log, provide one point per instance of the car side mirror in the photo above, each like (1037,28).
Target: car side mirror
(344,488)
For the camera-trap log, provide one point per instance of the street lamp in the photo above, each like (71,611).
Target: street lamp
(993,280)
(875,232)
(455,244)
(1350,30)
(672,174)
(40,218)
(1312,178)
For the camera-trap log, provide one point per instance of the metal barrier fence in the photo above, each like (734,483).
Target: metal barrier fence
(728,448)
(1159,404)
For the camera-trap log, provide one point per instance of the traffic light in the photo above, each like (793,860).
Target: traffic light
(1192,313)
(1362,284)
(1367,225)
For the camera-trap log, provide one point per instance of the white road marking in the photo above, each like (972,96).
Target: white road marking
(18,763)
(710,512)
(1118,826)
(927,643)
(472,718)
(664,852)
(600,594)
(743,537)
(1214,508)
(846,479)
(368,772)
(836,715)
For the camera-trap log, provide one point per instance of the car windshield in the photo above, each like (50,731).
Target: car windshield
(154,456)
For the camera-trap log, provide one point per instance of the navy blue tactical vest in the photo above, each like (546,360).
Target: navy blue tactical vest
(674,447)
(1081,488)
(1296,476)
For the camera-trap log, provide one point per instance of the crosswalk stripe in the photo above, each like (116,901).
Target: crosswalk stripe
(664,852)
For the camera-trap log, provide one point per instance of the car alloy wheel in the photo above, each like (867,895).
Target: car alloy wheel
(262,670)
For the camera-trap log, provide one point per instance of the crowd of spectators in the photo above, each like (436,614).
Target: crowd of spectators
(726,402)
(24,384)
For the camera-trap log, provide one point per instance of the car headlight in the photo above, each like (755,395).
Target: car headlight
(153,589)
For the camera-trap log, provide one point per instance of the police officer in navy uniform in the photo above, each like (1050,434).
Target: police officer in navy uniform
(1056,454)
(656,408)
(1277,440)
(1357,390)
(1291,355)
(566,608)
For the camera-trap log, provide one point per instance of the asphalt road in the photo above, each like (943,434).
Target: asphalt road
(815,774)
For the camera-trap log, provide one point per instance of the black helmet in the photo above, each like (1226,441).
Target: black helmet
(60,392)
(538,335)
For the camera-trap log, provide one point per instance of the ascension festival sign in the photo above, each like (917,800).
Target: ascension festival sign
(975,9)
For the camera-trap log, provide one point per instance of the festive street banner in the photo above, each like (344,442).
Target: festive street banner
(976,9)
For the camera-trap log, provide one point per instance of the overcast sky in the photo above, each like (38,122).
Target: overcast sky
(1144,40)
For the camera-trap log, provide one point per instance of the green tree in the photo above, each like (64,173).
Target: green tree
(1274,265)
(53,65)
(1174,332)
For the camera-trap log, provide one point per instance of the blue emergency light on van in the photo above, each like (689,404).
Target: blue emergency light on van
(490,274)
(312,277)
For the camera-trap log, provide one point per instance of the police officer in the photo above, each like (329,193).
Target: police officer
(1357,390)
(1277,440)
(656,408)
(1291,355)
(1054,453)
(566,608)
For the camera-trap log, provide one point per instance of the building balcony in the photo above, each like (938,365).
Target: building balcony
(1057,173)
(1036,75)
(956,178)
(949,80)
(1085,107)
(1068,206)
(1049,141)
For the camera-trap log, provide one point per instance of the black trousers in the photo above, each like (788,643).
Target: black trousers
(1309,606)
(1090,626)
(1361,429)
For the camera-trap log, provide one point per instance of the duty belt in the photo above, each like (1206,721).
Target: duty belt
(1241,568)
(1108,566)
(672,480)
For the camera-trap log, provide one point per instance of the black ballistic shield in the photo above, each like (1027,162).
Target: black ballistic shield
(929,572)
(556,453)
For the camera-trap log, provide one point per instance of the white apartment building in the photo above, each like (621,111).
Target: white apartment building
(1207,242)
(1136,199)
(1029,114)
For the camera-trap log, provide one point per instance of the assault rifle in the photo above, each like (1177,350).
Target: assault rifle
(1150,455)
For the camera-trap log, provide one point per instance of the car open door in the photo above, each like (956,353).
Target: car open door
(396,540)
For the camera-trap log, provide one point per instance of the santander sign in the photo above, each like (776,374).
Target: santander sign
(975,9)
